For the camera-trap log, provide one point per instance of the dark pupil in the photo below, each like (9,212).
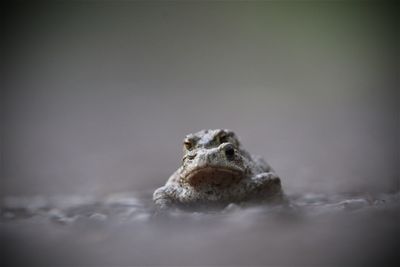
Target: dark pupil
(229,152)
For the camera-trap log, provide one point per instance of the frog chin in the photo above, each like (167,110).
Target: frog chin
(220,177)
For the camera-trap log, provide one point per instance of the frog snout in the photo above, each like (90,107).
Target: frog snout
(228,150)
(214,156)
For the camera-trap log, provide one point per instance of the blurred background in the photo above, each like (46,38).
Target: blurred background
(97,97)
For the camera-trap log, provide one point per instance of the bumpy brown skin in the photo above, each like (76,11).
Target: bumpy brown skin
(217,171)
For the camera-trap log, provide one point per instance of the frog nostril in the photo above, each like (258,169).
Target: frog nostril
(229,152)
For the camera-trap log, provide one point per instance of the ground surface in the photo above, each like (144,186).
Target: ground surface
(119,229)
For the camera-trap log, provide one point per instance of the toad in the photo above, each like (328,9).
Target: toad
(215,172)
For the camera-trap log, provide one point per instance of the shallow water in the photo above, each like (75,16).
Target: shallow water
(120,229)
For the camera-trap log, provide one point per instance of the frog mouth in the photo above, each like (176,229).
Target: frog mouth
(216,176)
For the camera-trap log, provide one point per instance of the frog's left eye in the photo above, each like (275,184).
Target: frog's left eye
(223,138)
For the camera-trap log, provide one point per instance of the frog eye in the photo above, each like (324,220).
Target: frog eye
(188,144)
(223,138)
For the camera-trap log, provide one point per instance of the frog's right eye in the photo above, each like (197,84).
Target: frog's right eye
(188,144)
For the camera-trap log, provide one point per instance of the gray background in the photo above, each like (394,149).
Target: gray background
(98,97)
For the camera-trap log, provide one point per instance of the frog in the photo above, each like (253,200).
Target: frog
(216,171)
